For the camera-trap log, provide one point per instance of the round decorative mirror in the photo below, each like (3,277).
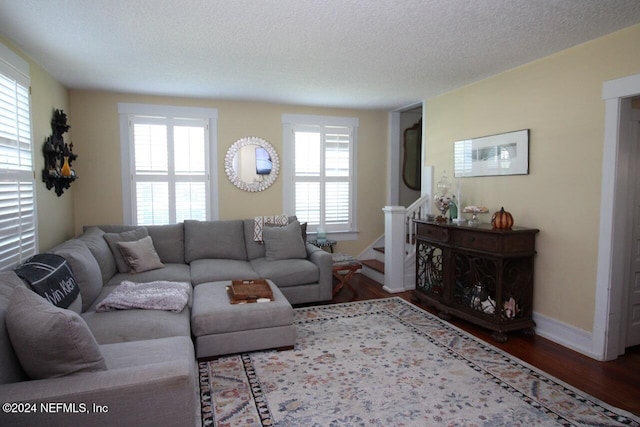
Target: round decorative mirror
(252,164)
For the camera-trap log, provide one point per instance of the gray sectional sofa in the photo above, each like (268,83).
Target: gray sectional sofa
(149,372)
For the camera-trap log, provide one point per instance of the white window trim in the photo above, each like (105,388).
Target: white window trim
(288,122)
(127,109)
(20,67)
(14,60)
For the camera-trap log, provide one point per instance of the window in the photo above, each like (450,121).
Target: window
(18,233)
(319,172)
(167,156)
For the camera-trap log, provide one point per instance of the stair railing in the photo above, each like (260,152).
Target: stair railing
(400,240)
(417,210)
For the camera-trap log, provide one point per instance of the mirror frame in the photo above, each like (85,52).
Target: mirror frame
(412,162)
(231,172)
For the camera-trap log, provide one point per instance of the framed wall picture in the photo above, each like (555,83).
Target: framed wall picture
(502,154)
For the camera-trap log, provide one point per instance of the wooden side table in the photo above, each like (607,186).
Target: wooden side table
(344,266)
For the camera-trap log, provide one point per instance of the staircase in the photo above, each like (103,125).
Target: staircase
(374,267)
(395,268)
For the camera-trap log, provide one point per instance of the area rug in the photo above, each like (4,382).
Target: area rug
(389,363)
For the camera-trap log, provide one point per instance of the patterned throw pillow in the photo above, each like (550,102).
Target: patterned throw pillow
(263,221)
(50,276)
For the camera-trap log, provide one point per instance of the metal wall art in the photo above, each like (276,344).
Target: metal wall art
(58,156)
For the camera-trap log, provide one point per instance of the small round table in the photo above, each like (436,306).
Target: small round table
(324,244)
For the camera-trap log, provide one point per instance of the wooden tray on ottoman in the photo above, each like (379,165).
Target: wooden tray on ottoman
(248,291)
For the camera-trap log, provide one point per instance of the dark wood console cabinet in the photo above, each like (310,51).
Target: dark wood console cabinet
(478,274)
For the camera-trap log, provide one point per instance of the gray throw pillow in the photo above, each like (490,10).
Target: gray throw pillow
(140,255)
(284,242)
(50,341)
(93,237)
(127,236)
(85,269)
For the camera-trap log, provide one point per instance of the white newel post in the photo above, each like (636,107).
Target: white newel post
(394,237)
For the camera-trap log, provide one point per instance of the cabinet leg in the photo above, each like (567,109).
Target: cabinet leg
(529,332)
(499,336)
(444,315)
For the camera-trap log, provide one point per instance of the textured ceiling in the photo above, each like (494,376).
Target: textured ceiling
(360,53)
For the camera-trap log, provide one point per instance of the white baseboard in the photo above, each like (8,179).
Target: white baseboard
(565,335)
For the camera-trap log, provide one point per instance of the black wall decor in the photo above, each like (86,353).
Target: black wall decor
(58,156)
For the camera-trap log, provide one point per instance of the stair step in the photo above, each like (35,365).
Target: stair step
(374,264)
(381,250)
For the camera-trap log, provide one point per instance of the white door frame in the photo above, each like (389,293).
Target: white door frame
(632,221)
(393,152)
(608,324)
(393,159)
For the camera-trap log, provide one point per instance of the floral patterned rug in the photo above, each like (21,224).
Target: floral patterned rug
(389,363)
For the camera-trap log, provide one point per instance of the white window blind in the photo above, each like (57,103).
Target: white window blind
(18,236)
(170,173)
(322,177)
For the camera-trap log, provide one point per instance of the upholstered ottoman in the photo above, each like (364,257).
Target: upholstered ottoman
(220,327)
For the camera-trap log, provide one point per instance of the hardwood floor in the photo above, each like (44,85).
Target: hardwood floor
(616,382)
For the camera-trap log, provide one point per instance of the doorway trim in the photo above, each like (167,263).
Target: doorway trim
(393,151)
(608,322)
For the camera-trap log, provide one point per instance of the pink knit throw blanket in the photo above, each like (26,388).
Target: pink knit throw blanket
(158,295)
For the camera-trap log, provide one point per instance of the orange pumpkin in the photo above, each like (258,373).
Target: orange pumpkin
(502,220)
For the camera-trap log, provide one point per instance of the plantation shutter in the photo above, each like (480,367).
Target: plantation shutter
(170,179)
(17,184)
(323,175)
(337,209)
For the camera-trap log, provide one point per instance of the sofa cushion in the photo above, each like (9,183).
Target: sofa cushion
(136,324)
(168,239)
(169,242)
(140,255)
(171,272)
(10,369)
(141,353)
(50,341)
(93,238)
(284,242)
(213,270)
(85,269)
(126,236)
(214,240)
(288,272)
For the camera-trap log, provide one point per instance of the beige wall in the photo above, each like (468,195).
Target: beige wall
(98,192)
(559,98)
(55,214)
